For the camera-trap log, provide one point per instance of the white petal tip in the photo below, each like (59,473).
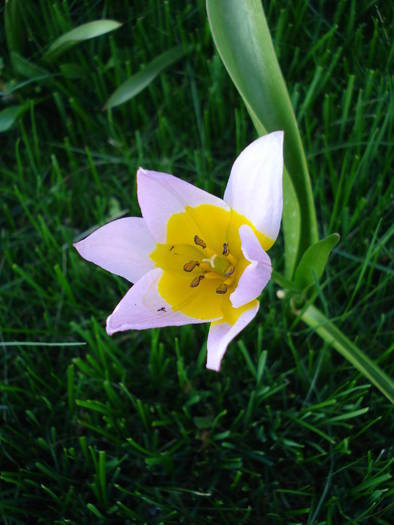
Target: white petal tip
(277,136)
(79,246)
(141,172)
(214,368)
(108,329)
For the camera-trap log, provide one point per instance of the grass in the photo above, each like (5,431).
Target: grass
(133,428)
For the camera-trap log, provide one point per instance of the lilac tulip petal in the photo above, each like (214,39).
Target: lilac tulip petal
(257,274)
(121,247)
(254,188)
(221,334)
(142,307)
(160,195)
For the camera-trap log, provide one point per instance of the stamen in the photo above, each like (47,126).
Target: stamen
(226,251)
(211,276)
(221,289)
(196,281)
(199,242)
(229,271)
(189,266)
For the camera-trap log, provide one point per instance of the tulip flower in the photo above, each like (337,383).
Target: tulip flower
(193,257)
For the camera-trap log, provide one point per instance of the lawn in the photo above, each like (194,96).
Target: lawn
(133,428)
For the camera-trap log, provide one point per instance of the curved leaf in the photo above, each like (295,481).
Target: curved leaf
(26,68)
(8,116)
(79,34)
(332,335)
(135,84)
(243,40)
(314,261)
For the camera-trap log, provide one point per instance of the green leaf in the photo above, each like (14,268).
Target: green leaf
(8,116)
(314,261)
(79,34)
(136,83)
(25,67)
(243,40)
(332,335)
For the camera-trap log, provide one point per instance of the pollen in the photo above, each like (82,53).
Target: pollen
(230,270)
(189,266)
(196,281)
(199,242)
(221,289)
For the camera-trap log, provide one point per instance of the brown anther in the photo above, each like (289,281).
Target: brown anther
(226,251)
(221,289)
(230,270)
(196,281)
(189,266)
(199,242)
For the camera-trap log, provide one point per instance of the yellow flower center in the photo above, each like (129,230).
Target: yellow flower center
(202,261)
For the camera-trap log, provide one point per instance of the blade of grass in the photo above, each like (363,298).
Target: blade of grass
(138,82)
(79,34)
(330,333)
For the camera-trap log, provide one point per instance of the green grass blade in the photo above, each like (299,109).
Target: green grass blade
(79,34)
(138,82)
(243,40)
(332,335)
(13,25)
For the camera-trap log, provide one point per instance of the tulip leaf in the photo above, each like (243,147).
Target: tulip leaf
(314,261)
(8,117)
(136,83)
(243,40)
(291,220)
(79,34)
(330,333)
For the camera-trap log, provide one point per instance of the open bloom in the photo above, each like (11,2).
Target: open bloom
(193,257)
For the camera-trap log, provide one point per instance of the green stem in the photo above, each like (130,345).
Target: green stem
(327,330)
(279,279)
(330,333)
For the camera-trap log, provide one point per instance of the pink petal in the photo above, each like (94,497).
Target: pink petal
(221,334)
(160,195)
(254,188)
(257,274)
(121,247)
(142,307)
